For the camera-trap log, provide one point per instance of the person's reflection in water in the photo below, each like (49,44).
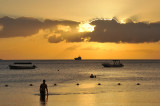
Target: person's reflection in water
(43,99)
(43,96)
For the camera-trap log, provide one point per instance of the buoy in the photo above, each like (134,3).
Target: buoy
(138,83)
(119,83)
(77,83)
(30,84)
(6,85)
(99,83)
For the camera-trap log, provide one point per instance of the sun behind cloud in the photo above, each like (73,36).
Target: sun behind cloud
(86,27)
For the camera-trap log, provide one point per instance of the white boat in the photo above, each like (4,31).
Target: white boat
(116,63)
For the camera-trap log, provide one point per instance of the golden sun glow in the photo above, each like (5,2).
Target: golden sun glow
(123,21)
(86,27)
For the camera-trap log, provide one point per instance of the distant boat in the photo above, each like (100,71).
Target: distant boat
(116,63)
(78,58)
(22,65)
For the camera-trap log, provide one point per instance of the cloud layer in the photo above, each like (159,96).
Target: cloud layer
(112,31)
(64,30)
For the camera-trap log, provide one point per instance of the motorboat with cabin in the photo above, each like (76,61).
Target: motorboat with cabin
(116,63)
(78,58)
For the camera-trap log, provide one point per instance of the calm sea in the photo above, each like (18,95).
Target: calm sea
(88,92)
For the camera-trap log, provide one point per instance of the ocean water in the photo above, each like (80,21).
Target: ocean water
(88,92)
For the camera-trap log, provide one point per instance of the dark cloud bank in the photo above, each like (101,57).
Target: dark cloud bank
(105,30)
(26,26)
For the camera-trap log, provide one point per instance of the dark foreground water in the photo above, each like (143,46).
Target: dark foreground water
(88,93)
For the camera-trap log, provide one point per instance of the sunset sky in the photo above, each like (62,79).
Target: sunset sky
(93,29)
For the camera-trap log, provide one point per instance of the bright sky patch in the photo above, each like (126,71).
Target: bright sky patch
(86,27)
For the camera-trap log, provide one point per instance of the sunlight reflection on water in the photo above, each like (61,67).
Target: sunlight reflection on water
(88,92)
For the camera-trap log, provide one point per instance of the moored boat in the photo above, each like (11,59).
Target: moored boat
(116,63)
(22,65)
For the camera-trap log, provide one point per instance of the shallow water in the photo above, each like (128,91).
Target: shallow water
(66,92)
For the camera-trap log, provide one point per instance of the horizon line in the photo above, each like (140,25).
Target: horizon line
(70,59)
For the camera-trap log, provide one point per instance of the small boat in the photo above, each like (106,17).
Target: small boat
(27,65)
(116,63)
(78,58)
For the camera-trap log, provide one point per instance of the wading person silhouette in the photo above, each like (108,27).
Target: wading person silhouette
(43,88)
